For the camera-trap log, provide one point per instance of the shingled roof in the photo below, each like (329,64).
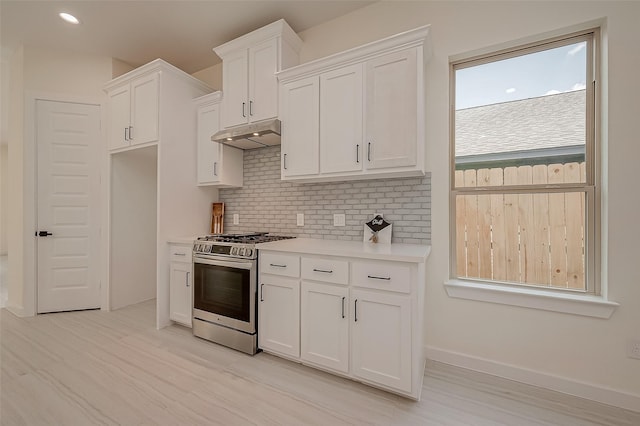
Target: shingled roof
(547,123)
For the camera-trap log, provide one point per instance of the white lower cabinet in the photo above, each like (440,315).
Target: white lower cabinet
(324,325)
(355,317)
(279,315)
(381,338)
(180,284)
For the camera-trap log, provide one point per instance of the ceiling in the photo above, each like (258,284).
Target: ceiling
(182,32)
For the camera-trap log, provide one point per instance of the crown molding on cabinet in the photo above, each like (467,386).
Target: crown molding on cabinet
(155,65)
(416,37)
(280,28)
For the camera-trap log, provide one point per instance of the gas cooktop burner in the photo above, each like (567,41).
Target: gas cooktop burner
(245,238)
(233,245)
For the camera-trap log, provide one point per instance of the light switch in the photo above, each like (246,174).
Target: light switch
(300,219)
(338,219)
(236,218)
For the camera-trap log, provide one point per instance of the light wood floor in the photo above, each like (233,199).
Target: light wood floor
(93,367)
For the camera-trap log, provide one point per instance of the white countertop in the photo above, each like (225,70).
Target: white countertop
(181,240)
(394,252)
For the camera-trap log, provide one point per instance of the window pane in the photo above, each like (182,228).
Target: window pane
(526,110)
(526,238)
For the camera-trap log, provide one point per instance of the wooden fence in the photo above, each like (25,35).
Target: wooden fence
(524,238)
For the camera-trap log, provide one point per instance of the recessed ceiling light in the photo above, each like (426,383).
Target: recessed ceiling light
(69,18)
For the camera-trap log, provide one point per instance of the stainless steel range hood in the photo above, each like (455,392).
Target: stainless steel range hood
(250,136)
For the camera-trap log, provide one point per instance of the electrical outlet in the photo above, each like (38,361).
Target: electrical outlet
(300,219)
(633,349)
(236,218)
(338,219)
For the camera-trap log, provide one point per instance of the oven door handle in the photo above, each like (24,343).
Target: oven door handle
(228,264)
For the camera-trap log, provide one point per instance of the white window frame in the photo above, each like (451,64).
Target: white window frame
(589,302)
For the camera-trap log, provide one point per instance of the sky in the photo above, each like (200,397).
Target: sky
(557,70)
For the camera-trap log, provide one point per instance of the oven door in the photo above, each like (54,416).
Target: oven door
(224,292)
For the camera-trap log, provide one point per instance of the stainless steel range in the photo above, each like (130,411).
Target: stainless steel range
(225,288)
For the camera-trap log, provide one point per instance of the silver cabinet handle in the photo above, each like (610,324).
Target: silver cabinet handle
(126,134)
(369,152)
(186,281)
(322,270)
(285,161)
(251,108)
(179,254)
(244,114)
(275,265)
(262,292)
(215,168)
(373,277)
(358,153)
(343,306)
(355,311)
(130,133)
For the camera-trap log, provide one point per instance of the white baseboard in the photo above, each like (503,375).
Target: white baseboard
(589,391)
(18,311)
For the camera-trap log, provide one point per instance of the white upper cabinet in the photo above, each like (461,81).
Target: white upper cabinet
(217,164)
(249,64)
(391,110)
(134,112)
(299,140)
(142,106)
(341,120)
(371,110)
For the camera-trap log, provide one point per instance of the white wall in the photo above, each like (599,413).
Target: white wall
(134,187)
(571,353)
(212,76)
(4,146)
(4,187)
(50,73)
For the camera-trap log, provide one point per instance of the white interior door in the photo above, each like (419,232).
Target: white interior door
(67,139)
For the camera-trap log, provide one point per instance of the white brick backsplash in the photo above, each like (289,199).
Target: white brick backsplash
(265,203)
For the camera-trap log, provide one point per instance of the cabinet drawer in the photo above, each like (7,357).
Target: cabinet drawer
(327,270)
(387,276)
(280,264)
(180,253)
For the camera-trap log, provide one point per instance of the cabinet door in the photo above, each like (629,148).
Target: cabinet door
(381,338)
(341,120)
(279,315)
(391,110)
(119,113)
(209,166)
(263,84)
(324,325)
(145,109)
(300,125)
(234,87)
(180,293)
